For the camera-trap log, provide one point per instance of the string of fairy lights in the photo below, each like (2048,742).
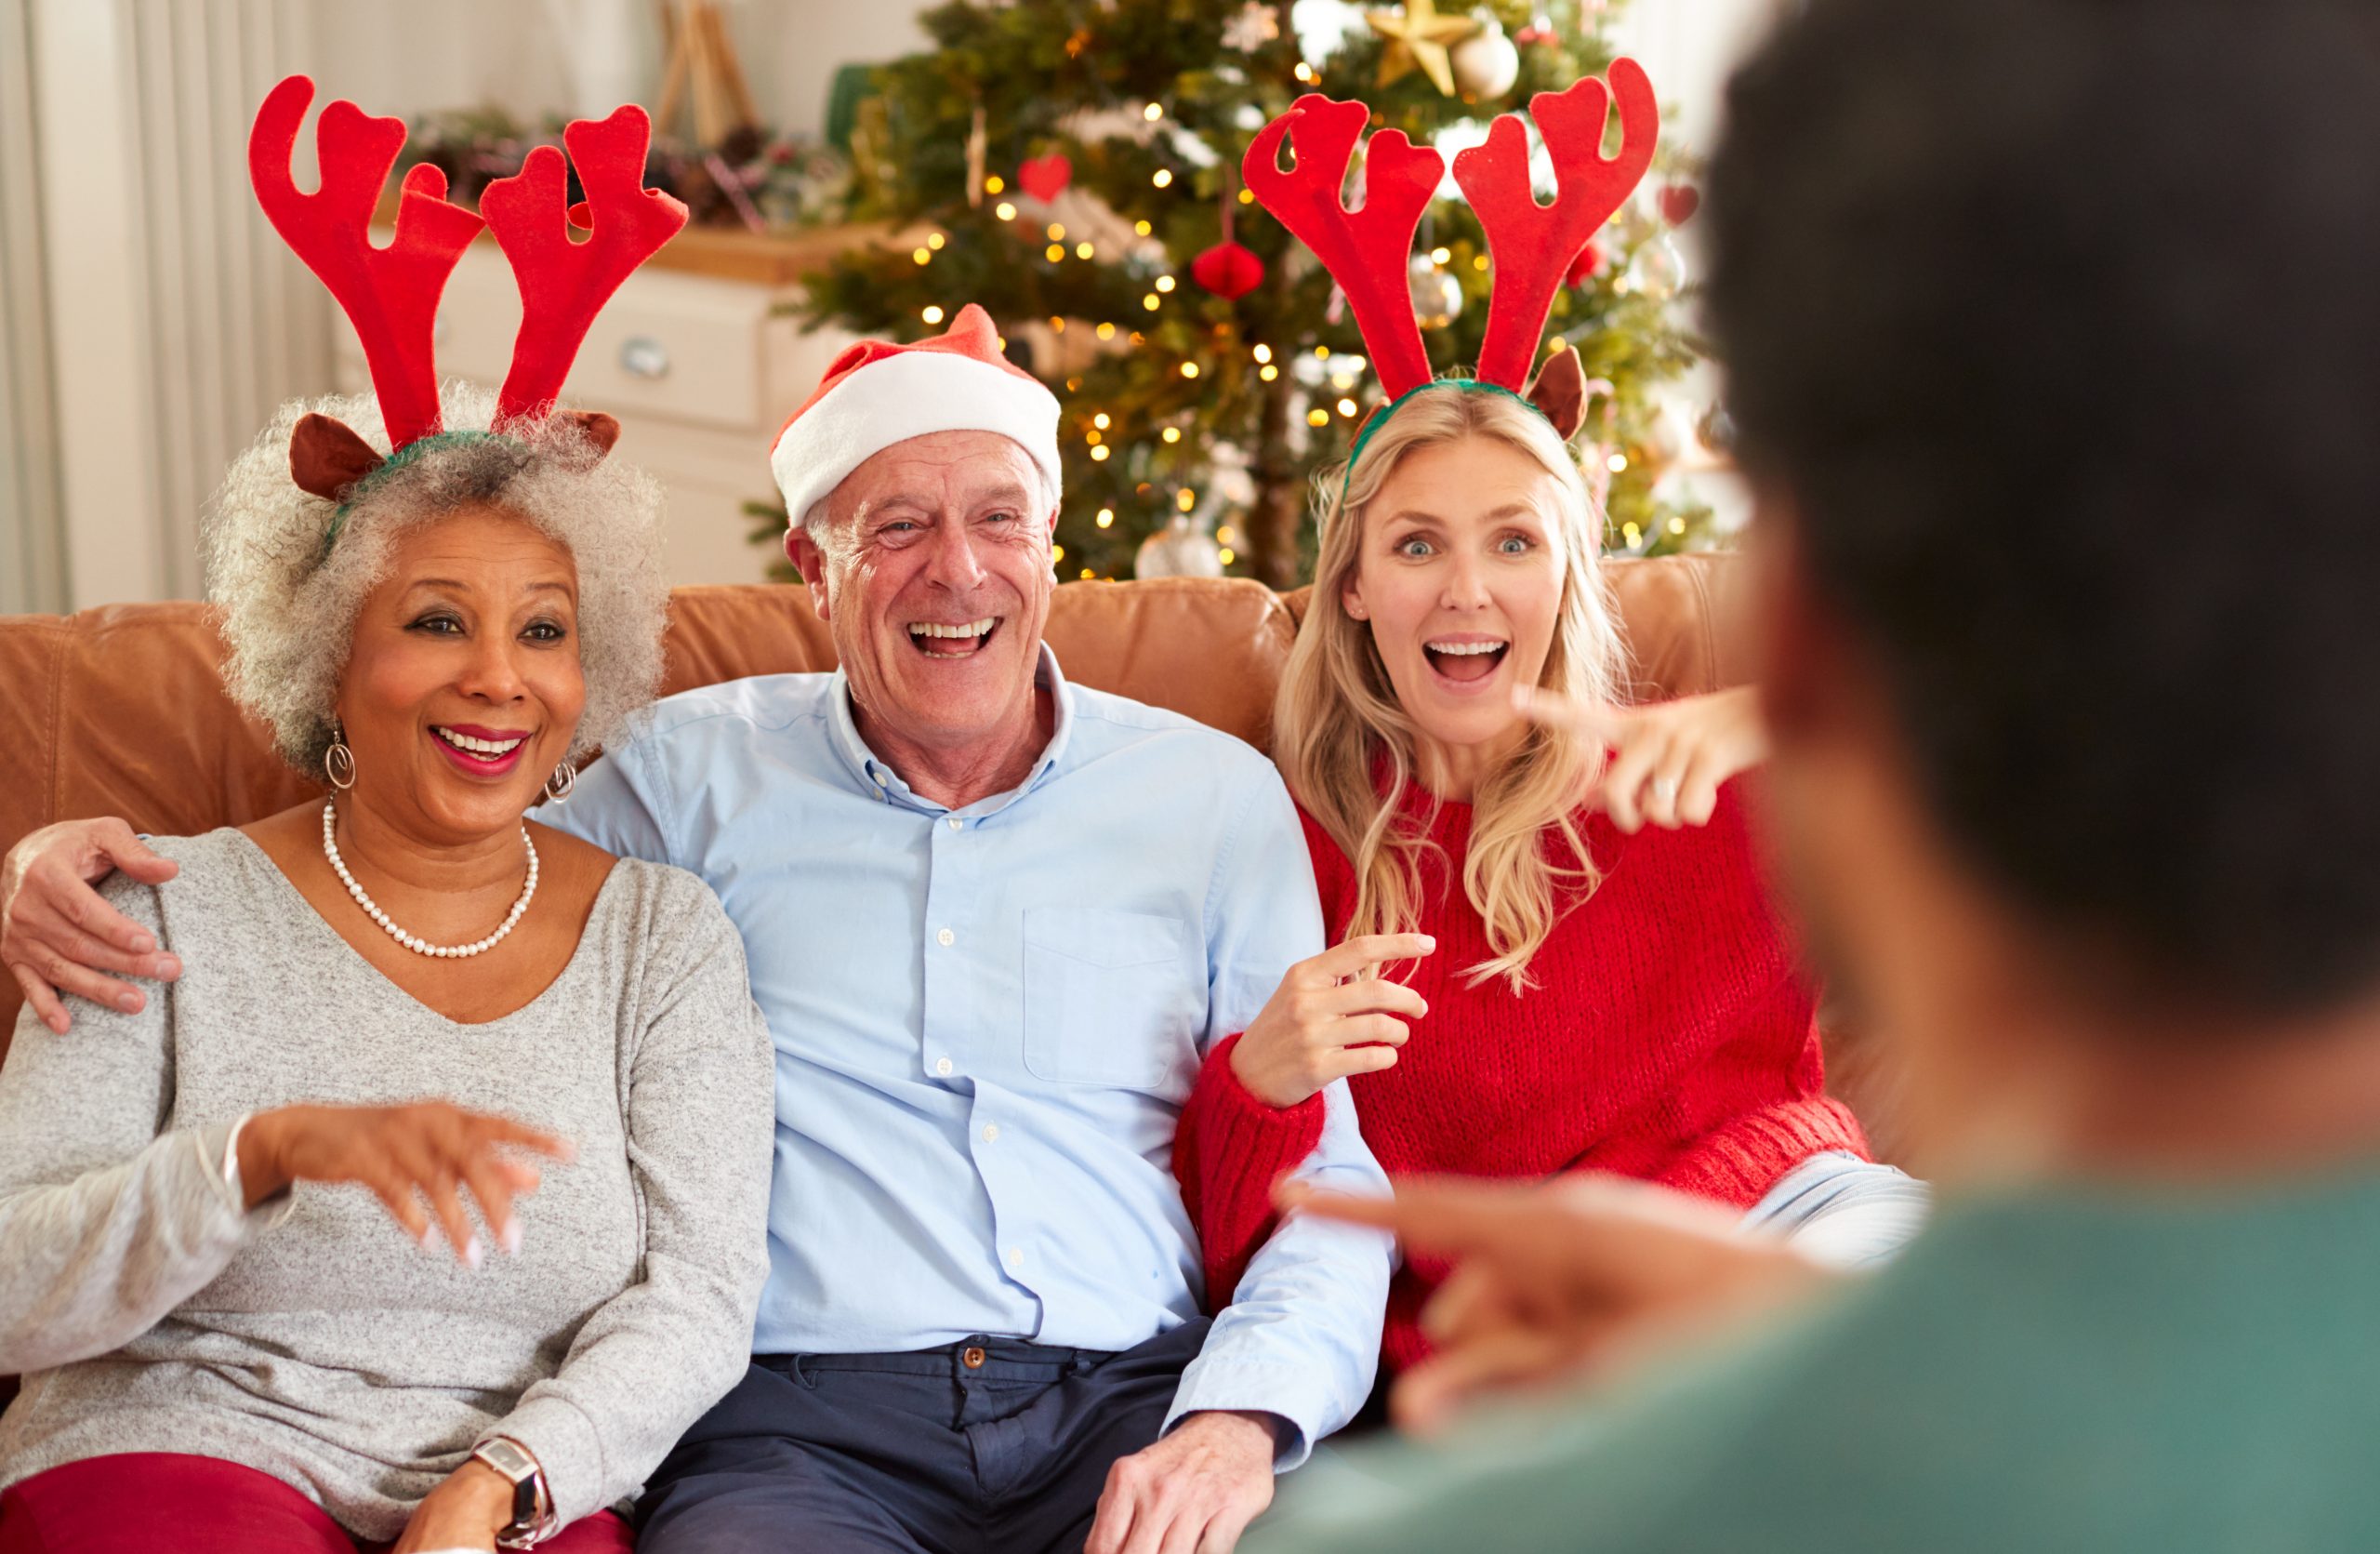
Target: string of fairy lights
(1098,426)
(1334,387)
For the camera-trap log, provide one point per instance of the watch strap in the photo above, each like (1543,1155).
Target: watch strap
(532,1506)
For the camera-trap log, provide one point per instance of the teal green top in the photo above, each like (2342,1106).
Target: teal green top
(2087,1373)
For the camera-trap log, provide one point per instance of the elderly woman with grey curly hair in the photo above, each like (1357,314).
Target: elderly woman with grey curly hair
(224,1203)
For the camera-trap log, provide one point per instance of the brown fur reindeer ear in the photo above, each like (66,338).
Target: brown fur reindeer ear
(1559,391)
(327,457)
(602,431)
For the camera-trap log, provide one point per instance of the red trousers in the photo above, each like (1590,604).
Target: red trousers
(152,1502)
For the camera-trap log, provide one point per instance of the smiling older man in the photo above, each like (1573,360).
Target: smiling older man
(991,980)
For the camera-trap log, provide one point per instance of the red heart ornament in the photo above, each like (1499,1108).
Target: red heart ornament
(1045,178)
(1679,202)
(1228,270)
(1587,266)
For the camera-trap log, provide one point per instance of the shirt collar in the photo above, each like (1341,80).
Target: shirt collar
(876,775)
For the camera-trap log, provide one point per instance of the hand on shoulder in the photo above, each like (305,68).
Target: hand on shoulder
(57,936)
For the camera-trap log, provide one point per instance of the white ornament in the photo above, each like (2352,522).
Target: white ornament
(1323,26)
(1437,296)
(1486,64)
(1658,269)
(1256,26)
(1181,548)
(418,945)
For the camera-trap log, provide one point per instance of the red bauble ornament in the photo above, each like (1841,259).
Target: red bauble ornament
(1228,270)
(1045,178)
(1587,266)
(1679,202)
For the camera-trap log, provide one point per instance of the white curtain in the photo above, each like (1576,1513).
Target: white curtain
(176,320)
(33,535)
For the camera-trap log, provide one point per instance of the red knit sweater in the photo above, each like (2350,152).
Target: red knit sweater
(1669,1038)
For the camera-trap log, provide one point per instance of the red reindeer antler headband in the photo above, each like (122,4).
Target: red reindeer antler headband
(1367,251)
(391,295)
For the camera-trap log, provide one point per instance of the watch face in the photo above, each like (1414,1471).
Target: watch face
(522,1469)
(506,1459)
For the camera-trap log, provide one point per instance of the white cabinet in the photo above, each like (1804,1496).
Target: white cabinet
(700,369)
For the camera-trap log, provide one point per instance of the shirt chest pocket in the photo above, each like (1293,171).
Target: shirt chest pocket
(1110,997)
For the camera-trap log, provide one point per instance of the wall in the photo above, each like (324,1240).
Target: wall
(1689,46)
(534,58)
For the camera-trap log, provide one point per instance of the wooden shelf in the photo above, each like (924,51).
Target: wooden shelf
(764,258)
(729,253)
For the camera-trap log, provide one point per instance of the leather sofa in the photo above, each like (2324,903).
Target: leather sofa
(120,710)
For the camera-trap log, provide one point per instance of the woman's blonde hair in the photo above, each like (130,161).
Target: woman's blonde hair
(1347,748)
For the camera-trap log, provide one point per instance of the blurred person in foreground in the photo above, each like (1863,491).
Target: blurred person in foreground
(2051,331)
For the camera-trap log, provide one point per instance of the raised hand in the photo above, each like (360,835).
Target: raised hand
(57,936)
(1330,1018)
(1555,1280)
(428,1149)
(1668,758)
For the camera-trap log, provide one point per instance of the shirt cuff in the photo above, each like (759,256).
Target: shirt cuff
(1303,1404)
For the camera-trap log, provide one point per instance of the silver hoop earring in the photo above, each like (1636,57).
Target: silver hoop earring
(339,762)
(559,786)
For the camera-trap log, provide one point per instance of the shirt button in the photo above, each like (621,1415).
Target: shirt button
(942,1066)
(878,778)
(946,938)
(991,1133)
(957,824)
(1016,1257)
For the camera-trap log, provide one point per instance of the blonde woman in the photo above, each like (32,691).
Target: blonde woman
(1568,992)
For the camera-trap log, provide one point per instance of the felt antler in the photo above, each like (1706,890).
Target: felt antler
(1534,245)
(1365,250)
(564,284)
(391,295)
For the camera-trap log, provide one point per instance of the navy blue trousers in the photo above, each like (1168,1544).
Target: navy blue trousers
(991,1444)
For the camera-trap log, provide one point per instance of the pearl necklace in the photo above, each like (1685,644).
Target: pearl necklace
(413,942)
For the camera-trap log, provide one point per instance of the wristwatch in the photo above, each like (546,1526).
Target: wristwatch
(532,1510)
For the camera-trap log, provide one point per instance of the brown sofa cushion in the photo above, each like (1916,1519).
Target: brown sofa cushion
(121,711)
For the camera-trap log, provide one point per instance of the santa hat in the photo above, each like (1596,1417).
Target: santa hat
(878,394)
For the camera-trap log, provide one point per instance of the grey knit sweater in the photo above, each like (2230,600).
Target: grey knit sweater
(314,1339)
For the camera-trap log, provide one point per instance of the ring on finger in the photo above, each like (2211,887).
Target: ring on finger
(1664,789)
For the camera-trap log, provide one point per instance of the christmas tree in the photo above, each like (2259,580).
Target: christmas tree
(1074,166)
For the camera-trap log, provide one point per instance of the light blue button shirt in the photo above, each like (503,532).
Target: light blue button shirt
(988,1021)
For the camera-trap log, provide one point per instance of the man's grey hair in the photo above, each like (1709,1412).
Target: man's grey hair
(288,606)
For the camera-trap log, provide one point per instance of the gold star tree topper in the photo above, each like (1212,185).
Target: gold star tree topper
(1419,38)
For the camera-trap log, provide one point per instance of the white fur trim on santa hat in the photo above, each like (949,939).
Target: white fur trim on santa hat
(904,396)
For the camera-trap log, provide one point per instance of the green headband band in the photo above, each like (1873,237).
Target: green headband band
(1379,418)
(398,460)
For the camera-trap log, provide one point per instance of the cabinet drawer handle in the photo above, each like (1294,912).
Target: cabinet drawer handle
(642,357)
